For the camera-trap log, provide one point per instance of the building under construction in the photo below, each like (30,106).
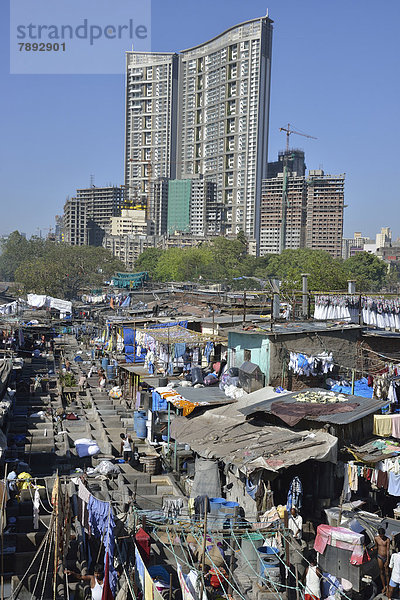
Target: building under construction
(325,206)
(300,211)
(283,221)
(88,216)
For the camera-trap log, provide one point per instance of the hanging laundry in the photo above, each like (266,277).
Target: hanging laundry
(295,494)
(36,504)
(343,308)
(396,426)
(394,485)
(383,425)
(381,387)
(172,507)
(318,364)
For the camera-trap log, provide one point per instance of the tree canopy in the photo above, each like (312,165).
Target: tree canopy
(55,269)
(17,249)
(225,260)
(325,272)
(369,271)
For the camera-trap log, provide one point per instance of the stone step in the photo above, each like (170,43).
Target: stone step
(149,502)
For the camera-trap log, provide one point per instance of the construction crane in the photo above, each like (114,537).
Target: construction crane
(290,131)
(285,202)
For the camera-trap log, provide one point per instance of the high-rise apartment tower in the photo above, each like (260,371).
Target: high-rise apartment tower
(204,112)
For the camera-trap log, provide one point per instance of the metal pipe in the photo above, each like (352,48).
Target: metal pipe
(304,277)
(276,302)
(351,286)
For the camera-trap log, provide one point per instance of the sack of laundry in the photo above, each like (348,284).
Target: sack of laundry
(115,392)
(105,467)
(85,447)
(210,379)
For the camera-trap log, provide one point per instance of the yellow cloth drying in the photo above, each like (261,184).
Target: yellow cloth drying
(24,481)
(148,586)
(383,425)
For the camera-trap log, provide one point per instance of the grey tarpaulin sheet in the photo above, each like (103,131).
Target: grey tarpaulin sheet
(260,402)
(250,446)
(206,478)
(3,443)
(5,369)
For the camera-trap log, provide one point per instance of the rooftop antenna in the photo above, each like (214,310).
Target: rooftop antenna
(92,181)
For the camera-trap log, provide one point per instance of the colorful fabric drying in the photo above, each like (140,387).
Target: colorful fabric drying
(340,537)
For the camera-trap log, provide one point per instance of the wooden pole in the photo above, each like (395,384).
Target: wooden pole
(56,507)
(286,526)
(170,587)
(231,561)
(297,583)
(2,531)
(353,380)
(340,507)
(203,555)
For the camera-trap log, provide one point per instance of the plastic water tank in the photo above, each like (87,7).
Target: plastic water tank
(228,511)
(251,542)
(269,563)
(139,423)
(213,520)
(110,370)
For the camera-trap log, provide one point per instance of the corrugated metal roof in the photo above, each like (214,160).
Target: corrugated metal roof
(366,406)
(293,327)
(249,446)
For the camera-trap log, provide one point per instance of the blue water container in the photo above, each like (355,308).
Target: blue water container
(228,511)
(213,520)
(110,370)
(269,563)
(139,422)
(104,363)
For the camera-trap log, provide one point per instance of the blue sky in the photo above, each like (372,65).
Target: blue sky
(335,75)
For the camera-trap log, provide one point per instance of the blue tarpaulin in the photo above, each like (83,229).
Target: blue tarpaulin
(130,347)
(158,403)
(361,388)
(172,324)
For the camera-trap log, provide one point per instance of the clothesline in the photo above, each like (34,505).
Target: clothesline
(384,476)
(360,371)
(177,335)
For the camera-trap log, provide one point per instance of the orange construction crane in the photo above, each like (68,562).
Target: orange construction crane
(290,131)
